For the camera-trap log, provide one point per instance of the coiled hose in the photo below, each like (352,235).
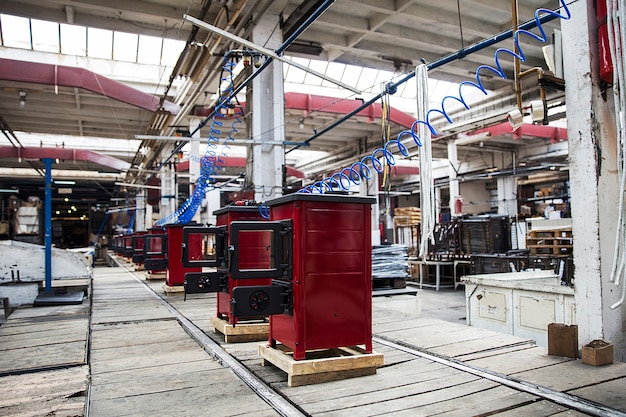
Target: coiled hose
(347,177)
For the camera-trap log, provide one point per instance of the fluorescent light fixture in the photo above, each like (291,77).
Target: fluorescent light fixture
(138,185)
(7,190)
(463,139)
(64,182)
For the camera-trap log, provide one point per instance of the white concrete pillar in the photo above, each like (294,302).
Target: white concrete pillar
(454,182)
(194,162)
(149,222)
(266,160)
(507,196)
(370,189)
(140,206)
(213,202)
(168,187)
(593,183)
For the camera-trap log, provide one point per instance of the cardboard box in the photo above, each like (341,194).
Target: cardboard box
(597,353)
(563,340)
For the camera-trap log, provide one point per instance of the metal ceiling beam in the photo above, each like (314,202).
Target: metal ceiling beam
(267,52)
(435,64)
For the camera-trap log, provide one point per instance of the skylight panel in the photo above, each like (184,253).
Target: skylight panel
(367,82)
(149,50)
(99,43)
(125,46)
(45,36)
(334,71)
(73,40)
(171,51)
(15,32)
(318,66)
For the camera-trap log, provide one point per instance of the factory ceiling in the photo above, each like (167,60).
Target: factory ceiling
(386,35)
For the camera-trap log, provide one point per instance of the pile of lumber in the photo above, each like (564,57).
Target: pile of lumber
(407,216)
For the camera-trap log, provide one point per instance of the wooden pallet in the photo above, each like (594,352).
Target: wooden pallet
(321,365)
(150,276)
(138,267)
(550,242)
(173,289)
(241,332)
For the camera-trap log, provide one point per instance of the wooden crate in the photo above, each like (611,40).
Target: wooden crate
(550,242)
(321,365)
(242,331)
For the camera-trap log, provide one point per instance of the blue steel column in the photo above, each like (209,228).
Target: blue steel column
(48,223)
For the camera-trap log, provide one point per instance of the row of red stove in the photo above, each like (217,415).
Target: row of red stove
(308,267)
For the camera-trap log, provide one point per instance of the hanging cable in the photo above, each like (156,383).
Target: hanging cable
(427,182)
(352,175)
(617,42)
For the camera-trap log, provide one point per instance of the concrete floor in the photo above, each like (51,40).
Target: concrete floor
(446,304)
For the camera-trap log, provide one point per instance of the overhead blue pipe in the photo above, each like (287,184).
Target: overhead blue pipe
(391,87)
(47,221)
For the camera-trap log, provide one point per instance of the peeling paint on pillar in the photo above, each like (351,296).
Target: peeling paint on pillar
(592,182)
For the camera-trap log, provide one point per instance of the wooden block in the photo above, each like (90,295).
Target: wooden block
(241,332)
(176,289)
(597,353)
(563,340)
(321,365)
(155,275)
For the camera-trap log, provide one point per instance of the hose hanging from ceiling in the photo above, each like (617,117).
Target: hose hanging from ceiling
(227,107)
(427,182)
(616,16)
(345,178)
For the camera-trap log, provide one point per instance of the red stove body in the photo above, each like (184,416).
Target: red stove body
(331,276)
(175,274)
(155,250)
(249,259)
(127,250)
(138,255)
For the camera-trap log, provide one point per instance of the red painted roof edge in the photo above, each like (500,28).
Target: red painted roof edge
(555,134)
(61,75)
(65,154)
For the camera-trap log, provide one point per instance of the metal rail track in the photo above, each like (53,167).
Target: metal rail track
(285,407)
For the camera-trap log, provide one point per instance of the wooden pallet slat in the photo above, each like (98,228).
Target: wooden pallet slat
(241,332)
(322,365)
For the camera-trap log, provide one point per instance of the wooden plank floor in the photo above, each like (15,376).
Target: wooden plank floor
(142,362)
(411,386)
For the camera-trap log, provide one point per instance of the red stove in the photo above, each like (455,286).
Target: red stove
(215,253)
(138,254)
(176,271)
(251,259)
(127,250)
(155,250)
(320,258)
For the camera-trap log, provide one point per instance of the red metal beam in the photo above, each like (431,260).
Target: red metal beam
(555,134)
(312,103)
(322,104)
(64,154)
(63,76)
